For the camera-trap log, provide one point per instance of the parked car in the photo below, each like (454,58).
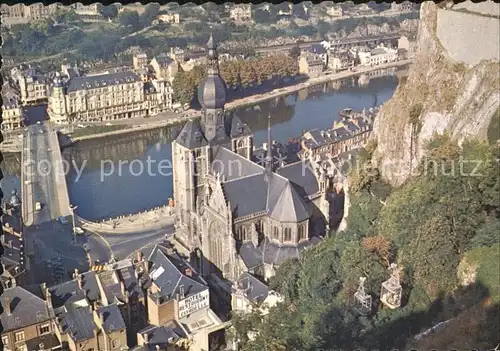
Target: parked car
(79,231)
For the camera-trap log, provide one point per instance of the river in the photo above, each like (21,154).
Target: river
(110,184)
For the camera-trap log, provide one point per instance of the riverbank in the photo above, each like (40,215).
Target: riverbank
(170,119)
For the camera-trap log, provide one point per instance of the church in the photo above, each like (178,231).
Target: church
(239,215)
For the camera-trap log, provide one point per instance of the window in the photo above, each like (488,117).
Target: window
(115,343)
(44,329)
(19,336)
(288,234)
(5,340)
(243,233)
(275,233)
(302,232)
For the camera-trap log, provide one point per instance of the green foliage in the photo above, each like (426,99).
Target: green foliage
(426,226)
(494,128)
(487,260)
(129,19)
(150,12)
(237,74)
(109,11)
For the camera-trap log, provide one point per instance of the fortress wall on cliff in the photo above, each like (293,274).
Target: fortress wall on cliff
(467,37)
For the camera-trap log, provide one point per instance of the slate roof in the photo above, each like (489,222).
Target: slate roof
(26,309)
(212,92)
(301,174)
(162,335)
(251,255)
(254,289)
(289,207)
(238,128)
(66,294)
(49,341)
(78,323)
(167,272)
(232,165)
(275,253)
(111,285)
(191,135)
(111,318)
(163,60)
(89,285)
(101,80)
(12,251)
(316,49)
(10,99)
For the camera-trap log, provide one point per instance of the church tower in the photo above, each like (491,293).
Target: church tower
(212,94)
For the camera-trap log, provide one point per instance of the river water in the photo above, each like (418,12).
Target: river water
(106,179)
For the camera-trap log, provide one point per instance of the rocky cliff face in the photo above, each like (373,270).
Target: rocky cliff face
(445,94)
(408,25)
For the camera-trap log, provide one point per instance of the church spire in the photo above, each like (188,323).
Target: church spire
(213,60)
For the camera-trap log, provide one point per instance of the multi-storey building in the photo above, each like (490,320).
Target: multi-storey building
(237,214)
(352,132)
(12,111)
(140,60)
(241,13)
(32,12)
(169,18)
(87,11)
(178,302)
(335,11)
(341,61)
(33,86)
(105,97)
(405,6)
(377,56)
(311,64)
(164,67)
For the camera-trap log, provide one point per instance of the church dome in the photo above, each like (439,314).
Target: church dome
(212,92)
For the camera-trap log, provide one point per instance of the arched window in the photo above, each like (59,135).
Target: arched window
(243,233)
(288,234)
(275,233)
(240,143)
(302,232)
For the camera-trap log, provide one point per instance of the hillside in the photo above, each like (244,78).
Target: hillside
(453,86)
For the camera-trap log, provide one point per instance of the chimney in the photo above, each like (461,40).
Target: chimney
(188,272)
(6,305)
(48,298)
(139,256)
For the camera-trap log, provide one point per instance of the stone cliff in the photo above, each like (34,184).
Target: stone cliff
(452,87)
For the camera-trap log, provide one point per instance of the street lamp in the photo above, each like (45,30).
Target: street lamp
(72,210)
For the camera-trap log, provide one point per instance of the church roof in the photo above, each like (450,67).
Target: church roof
(212,92)
(191,135)
(289,207)
(238,128)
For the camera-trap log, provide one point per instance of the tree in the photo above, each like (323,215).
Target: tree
(109,11)
(295,52)
(129,19)
(150,12)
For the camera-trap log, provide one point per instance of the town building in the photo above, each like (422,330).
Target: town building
(169,18)
(34,12)
(405,6)
(335,11)
(318,50)
(241,13)
(12,110)
(140,60)
(351,132)
(178,301)
(377,56)
(311,64)
(90,12)
(28,321)
(340,61)
(14,259)
(248,292)
(236,214)
(106,97)
(33,86)
(165,68)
